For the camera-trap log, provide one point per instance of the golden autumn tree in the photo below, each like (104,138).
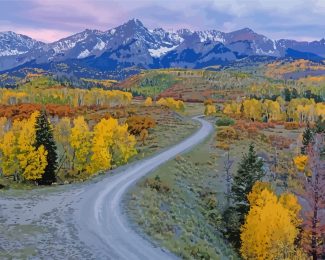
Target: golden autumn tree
(9,152)
(301,162)
(233,109)
(124,145)
(148,102)
(210,110)
(80,141)
(171,103)
(112,143)
(32,160)
(103,139)
(9,161)
(271,225)
(253,109)
(271,110)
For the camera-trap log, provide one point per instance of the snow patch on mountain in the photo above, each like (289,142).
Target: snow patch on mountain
(161,51)
(12,52)
(100,45)
(83,54)
(211,36)
(64,46)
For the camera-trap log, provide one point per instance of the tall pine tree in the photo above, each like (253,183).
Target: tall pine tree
(44,136)
(307,137)
(320,125)
(249,171)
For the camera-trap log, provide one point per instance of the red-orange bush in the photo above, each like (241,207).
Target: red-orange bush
(291,125)
(138,123)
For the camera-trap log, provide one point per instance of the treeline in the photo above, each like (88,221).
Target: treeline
(65,96)
(300,110)
(33,149)
(286,91)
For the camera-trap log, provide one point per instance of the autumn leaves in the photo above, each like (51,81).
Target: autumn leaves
(81,151)
(87,152)
(20,157)
(271,226)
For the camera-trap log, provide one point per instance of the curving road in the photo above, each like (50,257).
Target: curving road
(100,219)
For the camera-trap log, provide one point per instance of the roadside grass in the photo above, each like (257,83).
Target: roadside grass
(179,205)
(193,109)
(186,218)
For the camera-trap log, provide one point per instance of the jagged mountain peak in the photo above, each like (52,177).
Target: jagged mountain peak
(131,44)
(13,44)
(135,22)
(244,30)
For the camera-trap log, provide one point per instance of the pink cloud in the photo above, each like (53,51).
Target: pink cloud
(44,35)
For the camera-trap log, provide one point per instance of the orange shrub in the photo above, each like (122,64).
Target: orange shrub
(23,111)
(138,123)
(226,133)
(291,125)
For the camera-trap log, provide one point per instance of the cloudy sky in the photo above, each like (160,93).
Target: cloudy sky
(50,20)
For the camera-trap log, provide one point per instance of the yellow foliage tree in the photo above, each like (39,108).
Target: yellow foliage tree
(272,110)
(80,141)
(171,103)
(32,161)
(301,162)
(320,110)
(210,110)
(252,109)
(111,143)
(102,141)
(232,109)
(124,145)
(148,102)
(9,160)
(270,228)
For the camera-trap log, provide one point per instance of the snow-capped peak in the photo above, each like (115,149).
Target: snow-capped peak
(15,44)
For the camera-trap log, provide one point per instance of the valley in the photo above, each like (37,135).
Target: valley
(137,143)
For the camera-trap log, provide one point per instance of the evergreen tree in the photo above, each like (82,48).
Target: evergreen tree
(294,94)
(44,136)
(249,171)
(320,125)
(287,94)
(307,137)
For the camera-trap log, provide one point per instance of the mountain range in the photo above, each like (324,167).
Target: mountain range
(133,46)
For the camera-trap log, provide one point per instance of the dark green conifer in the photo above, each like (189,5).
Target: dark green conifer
(44,136)
(307,137)
(249,171)
(320,125)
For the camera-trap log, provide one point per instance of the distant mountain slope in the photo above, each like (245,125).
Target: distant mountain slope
(132,45)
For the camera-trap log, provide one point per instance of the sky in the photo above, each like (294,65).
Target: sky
(50,20)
